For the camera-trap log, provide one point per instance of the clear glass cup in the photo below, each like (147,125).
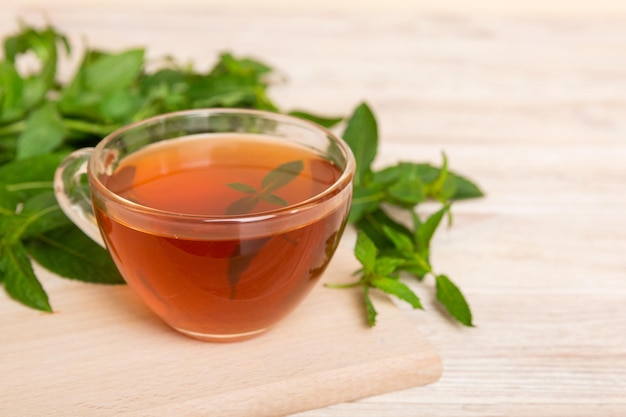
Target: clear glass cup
(221,220)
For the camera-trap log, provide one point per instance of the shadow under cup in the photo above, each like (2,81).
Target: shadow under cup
(221,220)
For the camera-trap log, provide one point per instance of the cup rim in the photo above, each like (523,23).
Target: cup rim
(340,183)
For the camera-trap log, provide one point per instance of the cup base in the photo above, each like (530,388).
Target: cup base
(220,338)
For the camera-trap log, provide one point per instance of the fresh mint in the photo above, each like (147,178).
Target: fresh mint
(271,182)
(387,248)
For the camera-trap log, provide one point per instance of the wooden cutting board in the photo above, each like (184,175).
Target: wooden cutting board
(102,353)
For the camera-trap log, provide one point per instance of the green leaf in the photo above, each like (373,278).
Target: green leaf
(361,134)
(68,252)
(385,266)
(401,240)
(245,67)
(116,106)
(282,175)
(372,224)
(437,185)
(110,72)
(453,300)
(364,200)
(233,82)
(415,263)
(407,192)
(43,43)
(26,177)
(425,232)
(398,289)
(44,132)
(19,278)
(273,199)
(244,188)
(326,122)
(369,307)
(239,261)
(365,251)
(40,214)
(11,92)
(464,188)
(8,202)
(242,206)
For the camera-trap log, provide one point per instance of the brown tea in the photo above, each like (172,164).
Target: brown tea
(229,277)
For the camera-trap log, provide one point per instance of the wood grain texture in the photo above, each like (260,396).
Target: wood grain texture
(533,110)
(103,353)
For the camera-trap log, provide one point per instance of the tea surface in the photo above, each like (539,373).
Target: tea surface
(218,286)
(192,175)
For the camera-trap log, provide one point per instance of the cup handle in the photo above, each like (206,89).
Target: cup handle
(72,196)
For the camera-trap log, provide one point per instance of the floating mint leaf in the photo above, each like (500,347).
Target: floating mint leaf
(274,199)
(273,180)
(242,206)
(281,176)
(244,188)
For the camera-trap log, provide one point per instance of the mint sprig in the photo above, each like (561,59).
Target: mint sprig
(388,249)
(271,182)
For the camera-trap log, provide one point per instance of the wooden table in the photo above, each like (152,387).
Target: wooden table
(532,108)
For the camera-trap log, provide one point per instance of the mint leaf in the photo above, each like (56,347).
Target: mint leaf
(361,135)
(273,180)
(19,278)
(281,176)
(365,251)
(40,214)
(406,192)
(243,206)
(373,225)
(11,92)
(29,176)
(274,199)
(327,122)
(424,233)
(244,188)
(111,72)
(44,132)
(369,307)
(364,200)
(453,300)
(398,289)
(401,241)
(68,252)
(386,266)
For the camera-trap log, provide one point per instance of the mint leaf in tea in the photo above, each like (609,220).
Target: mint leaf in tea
(272,181)
(226,276)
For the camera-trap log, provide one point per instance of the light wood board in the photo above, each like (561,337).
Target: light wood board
(103,353)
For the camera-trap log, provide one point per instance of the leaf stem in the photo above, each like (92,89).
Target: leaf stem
(349,285)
